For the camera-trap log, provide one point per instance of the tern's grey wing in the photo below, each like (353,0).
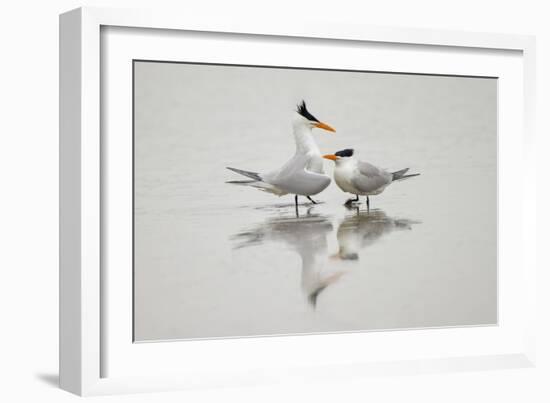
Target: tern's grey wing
(297,163)
(369,177)
(315,164)
(309,161)
(303,182)
(370,170)
(295,177)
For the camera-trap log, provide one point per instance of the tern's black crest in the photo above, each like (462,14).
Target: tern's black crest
(302,110)
(348,152)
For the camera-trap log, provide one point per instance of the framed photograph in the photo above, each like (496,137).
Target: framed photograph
(248,202)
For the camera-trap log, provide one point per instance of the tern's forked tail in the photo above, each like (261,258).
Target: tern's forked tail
(399,175)
(255,181)
(248,174)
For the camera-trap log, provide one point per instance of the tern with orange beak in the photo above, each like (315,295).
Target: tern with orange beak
(303,174)
(361,178)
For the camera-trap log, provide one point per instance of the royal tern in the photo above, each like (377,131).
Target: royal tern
(361,178)
(303,174)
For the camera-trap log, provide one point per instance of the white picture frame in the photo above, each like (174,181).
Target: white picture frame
(83,310)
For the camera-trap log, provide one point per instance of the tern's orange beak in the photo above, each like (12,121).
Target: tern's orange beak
(322,125)
(330,157)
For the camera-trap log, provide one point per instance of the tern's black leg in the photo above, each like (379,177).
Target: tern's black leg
(311,200)
(296,200)
(368,203)
(351,201)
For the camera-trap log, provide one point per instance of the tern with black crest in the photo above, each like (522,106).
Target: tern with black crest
(303,174)
(360,177)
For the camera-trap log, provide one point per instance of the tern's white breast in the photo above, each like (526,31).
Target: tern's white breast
(343,175)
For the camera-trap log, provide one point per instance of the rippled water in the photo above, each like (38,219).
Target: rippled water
(218,260)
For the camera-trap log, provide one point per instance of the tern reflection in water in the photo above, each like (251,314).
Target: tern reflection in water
(307,236)
(365,228)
